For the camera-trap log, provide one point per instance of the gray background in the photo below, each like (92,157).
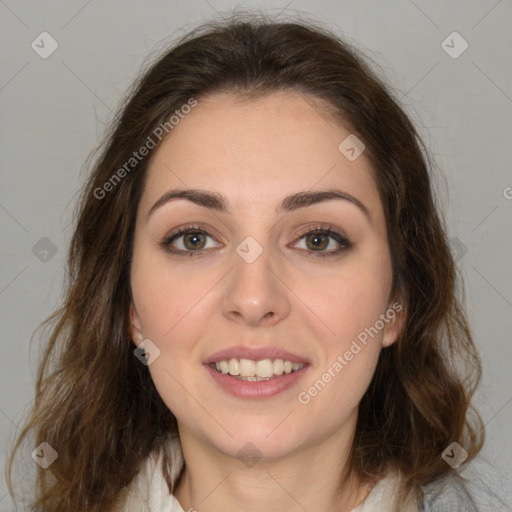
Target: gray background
(55,111)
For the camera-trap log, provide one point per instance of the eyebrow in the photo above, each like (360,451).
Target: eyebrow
(217,202)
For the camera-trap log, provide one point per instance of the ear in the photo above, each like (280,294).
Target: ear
(396,313)
(135,326)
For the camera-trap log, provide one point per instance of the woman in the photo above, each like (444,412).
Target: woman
(262,310)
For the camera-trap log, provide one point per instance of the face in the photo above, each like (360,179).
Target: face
(250,276)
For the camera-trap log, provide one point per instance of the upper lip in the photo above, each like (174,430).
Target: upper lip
(255,354)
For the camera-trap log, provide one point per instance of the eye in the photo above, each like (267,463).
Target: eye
(193,240)
(188,241)
(320,238)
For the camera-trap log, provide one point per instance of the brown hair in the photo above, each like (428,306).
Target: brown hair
(96,403)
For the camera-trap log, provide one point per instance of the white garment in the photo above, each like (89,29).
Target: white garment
(174,506)
(380,499)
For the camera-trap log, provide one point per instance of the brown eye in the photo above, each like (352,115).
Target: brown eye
(189,241)
(318,241)
(194,241)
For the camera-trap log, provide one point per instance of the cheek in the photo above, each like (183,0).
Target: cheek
(348,301)
(166,299)
(171,306)
(349,349)
(349,305)
(333,394)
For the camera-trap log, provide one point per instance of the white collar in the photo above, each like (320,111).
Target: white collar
(380,499)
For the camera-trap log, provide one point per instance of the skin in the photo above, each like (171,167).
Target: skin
(255,153)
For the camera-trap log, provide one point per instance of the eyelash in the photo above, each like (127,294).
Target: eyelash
(344,242)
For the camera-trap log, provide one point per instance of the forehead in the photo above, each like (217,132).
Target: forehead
(257,151)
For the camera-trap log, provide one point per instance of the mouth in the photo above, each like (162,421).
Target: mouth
(256,374)
(250,370)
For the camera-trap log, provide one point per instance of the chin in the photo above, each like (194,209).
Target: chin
(257,437)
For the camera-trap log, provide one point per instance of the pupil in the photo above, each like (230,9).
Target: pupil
(317,240)
(195,239)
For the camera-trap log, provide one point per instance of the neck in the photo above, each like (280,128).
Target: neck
(310,478)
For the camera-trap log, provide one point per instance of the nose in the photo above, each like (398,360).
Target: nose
(255,292)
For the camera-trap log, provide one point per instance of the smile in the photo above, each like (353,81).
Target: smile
(255,371)
(256,380)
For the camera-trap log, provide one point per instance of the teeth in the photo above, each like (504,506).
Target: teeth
(248,368)
(278,367)
(264,369)
(234,367)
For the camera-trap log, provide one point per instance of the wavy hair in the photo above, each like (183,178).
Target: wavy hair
(94,401)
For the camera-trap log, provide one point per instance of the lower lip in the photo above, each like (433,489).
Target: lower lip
(256,389)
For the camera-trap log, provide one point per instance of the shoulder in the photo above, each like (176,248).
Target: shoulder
(455,493)
(477,491)
(447,495)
